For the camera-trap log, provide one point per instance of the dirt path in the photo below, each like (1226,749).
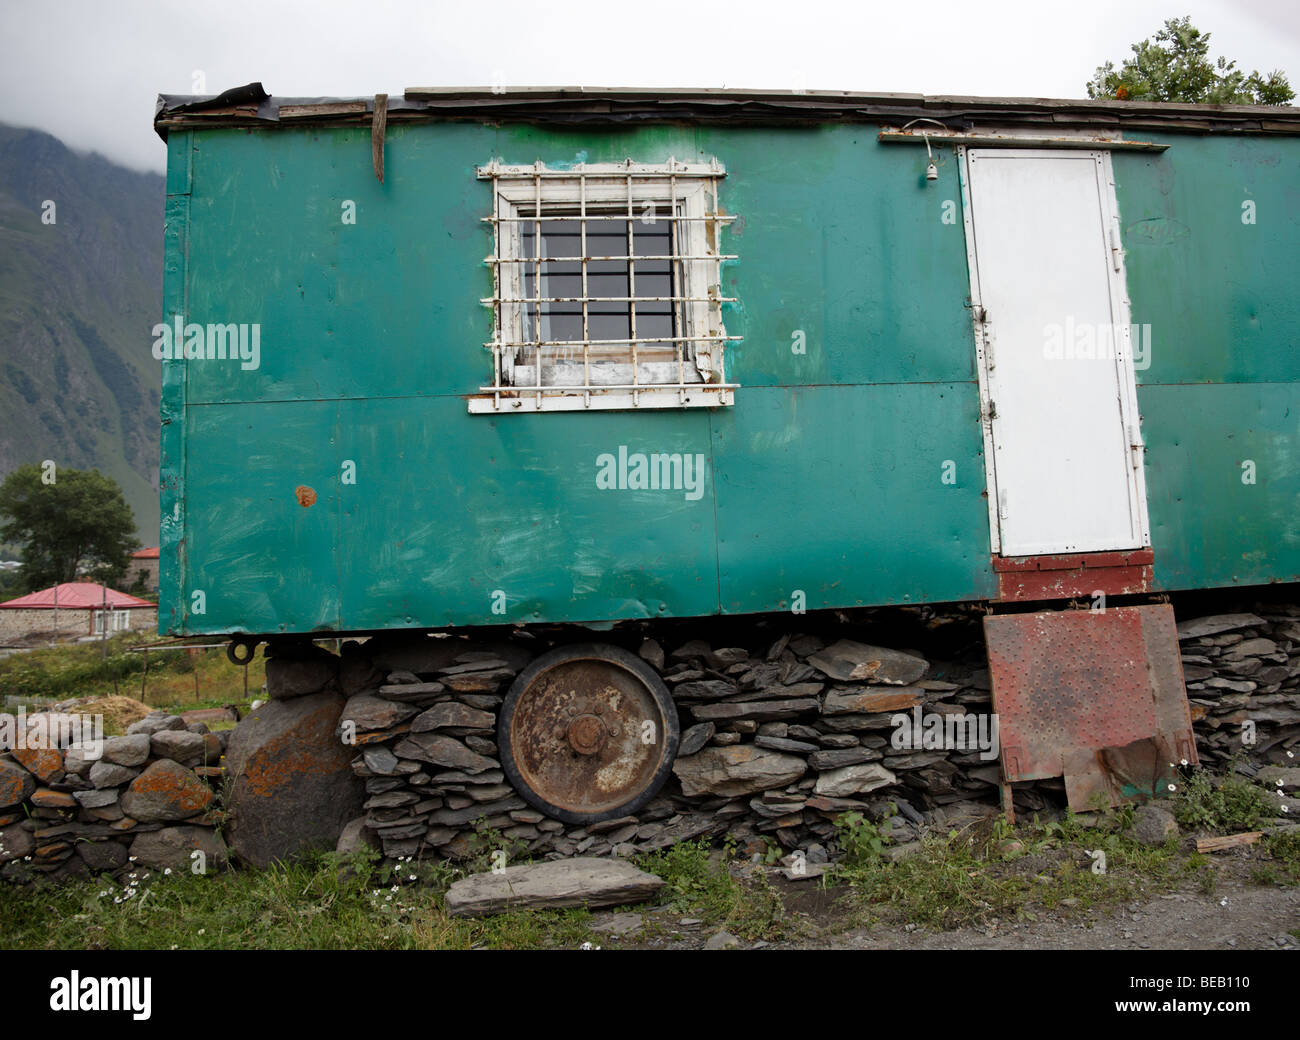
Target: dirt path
(1238,915)
(1243,918)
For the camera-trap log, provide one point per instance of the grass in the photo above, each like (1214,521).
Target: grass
(177,680)
(1281,863)
(1225,806)
(321,902)
(326,901)
(699,882)
(993,872)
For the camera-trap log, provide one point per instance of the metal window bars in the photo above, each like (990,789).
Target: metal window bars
(533,371)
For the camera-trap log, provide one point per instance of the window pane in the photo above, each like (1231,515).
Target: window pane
(609,313)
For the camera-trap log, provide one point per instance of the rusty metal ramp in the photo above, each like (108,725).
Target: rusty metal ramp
(1095,697)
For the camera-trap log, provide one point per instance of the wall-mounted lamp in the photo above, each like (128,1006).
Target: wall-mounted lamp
(931,168)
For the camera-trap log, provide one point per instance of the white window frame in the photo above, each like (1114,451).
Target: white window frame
(119,620)
(685,194)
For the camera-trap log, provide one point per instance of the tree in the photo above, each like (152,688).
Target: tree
(68,522)
(1176,66)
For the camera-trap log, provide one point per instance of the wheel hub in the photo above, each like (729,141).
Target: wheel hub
(586,734)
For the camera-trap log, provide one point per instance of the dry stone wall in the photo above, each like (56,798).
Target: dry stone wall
(70,805)
(393,743)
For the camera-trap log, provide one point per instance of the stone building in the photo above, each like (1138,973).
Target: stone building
(79,608)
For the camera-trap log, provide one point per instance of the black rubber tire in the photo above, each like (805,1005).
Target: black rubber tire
(613,655)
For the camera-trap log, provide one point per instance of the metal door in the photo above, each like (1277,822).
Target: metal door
(1062,438)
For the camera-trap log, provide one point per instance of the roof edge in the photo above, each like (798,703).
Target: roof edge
(252,106)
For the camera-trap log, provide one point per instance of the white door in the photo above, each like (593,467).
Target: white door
(1062,440)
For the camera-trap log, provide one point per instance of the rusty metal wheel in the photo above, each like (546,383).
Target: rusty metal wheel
(588,733)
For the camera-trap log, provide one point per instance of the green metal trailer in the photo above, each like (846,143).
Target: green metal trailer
(471,358)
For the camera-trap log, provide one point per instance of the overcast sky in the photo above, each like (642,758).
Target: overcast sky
(88,71)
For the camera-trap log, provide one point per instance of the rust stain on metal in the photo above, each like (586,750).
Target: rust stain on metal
(576,735)
(1096,697)
(306,496)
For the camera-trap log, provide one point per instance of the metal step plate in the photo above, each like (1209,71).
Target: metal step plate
(1095,697)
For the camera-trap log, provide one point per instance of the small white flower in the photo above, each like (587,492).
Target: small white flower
(167,872)
(201,931)
(1173,787)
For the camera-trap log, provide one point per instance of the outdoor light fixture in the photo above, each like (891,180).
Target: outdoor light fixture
(931,168)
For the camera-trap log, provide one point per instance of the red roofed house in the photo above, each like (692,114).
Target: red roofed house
(144,569)
(75,608)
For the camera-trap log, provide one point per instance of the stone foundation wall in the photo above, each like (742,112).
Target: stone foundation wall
(393,744)
(778,737)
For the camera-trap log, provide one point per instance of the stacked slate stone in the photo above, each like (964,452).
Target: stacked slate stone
(1243,685)
(66,810)
(776,742)
(781,743)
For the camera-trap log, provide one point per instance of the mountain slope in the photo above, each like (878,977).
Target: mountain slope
(78,298)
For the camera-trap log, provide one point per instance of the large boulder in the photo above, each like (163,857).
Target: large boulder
(736,770)
(164,792)
(292,783)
